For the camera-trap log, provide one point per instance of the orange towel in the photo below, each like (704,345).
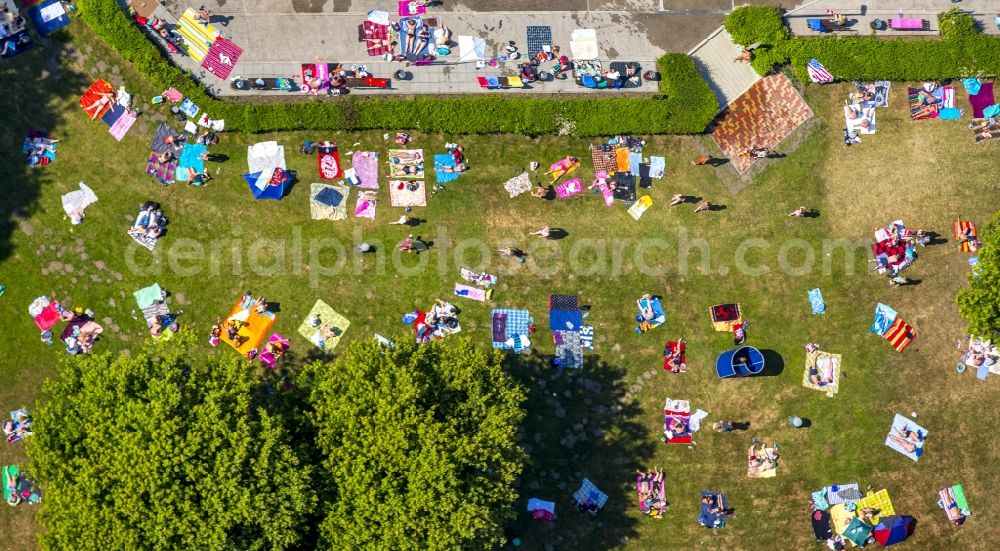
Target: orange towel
(621,159)
(93,94)
(959,227)
(900,335)
(254,330)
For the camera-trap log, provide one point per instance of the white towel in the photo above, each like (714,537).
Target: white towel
(75,202)
(656,166)
(694,423)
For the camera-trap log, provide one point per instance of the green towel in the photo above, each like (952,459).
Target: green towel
(148,296)
(959,494)
(9,472)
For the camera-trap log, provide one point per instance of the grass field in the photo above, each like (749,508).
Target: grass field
(924,173)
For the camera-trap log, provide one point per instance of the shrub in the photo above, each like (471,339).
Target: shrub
(955,24)
(750,24)
(685,106)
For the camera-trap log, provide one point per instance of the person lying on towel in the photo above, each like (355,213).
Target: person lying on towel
(761,460)
(906,439)
(676,428)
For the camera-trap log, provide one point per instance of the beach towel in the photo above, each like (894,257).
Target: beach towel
(163,172)
(900,335)
(365,164)
(123,124)
(76,202)
(755,472)
(190,158)
(142,239)
(328,201)
(414,55)
(605,190)
(725,316)
(222,57)
(949,113)
(658,504)
(953,501)
(16,43)
(111,116)
(569,188)
(639,207)
(884,317)
(818,73)
(11,474)
(268,358)
(93,95)
(709,519)
(948,96)
(657,165)
(411,168)
(518,184)
(328,162)
(564,313)
(541,509)
(624,186)
(821,525)
(379,17)
(634,160)
(324,327)
(880,502)
(511,329)
(537,36)
(972,85)
(981,100)
(589,497)
(481,279)
(587,337)
(659,316)
(815,297)
(148,296)
(471,49)
(972,245)
(474,293)
(603,157)
(376,38)
(880,91)
(623,160)
(364,207)
(583,44)
(868,114)
(443,176)
(828,367)
(407,7)
(407,194)
(681,414)
(48,316)
(675,350)
(917,105)
(900,423)
(839,494)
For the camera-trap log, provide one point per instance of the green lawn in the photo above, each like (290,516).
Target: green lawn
(924,173)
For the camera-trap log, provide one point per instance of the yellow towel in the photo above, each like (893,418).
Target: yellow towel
(879,501)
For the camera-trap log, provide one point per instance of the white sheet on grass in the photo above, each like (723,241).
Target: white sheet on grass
(471,48)
(264,157)
(75,202)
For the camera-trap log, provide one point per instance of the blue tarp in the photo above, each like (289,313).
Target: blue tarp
(816,301)
(42,16)
(443,176)
(276,191)
(727,366)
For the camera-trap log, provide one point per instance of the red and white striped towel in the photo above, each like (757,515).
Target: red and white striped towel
(949,96)
(222,57)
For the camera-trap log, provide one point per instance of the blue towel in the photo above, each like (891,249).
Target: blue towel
(442,176)
(991,111)
(634,160)
(972,85)
(884,316)
(656,167)
(950,113)
(816,300)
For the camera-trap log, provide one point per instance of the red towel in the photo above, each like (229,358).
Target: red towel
(670,351)
(93,94)
(222,57)
(900,335)
(329,165)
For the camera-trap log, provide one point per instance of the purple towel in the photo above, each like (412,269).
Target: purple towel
(982,100)
(499,327)
(366,169)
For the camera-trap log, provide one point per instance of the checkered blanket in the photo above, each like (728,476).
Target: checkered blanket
(590,494)
(604,158)
(164,172)
(507,324)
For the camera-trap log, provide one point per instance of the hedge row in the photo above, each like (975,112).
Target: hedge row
(961,52)
(685,104)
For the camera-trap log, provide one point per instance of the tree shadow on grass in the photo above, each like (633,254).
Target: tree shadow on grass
(35,82)
(578,425)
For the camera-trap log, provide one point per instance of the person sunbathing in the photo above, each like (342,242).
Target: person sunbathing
(704,205)
(423,38)
(563,167)
(908,444)
(540,192)
(745,56)
(404,157)
(202,16)
(799,212)
(677,427)
(652,477)
(712,504)
(678,199)
(674,361)
(868,514)
(442,37)
(164,157)
(410,32)
(277,349)
(543,232)
(104,98)
(459,168)
(646,311)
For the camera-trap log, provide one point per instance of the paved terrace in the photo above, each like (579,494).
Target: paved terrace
(860,15)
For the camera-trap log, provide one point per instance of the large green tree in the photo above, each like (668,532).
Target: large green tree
(980,303)
(418,446)
(149,452)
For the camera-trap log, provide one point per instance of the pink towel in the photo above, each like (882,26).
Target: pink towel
(569,188)
(364,208)
(470,292)
(222,57)
(121,126)
(365,164)
(172,95)
(405,5)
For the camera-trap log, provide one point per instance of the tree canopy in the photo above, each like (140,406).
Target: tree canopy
(148,452)
(418,446)
(980,303)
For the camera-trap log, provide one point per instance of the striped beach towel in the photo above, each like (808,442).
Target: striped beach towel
(818,73)
(900,335)
(222,57)
(971,245)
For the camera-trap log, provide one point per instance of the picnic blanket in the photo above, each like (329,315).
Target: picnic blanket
(537,36)
(474,293)
(123,124)
(982,100)
(443,176)
(222,57)
(328,201)
(569,348)
(659,316)
(324,327)
(725,316)
(972,245)
(828,367)
(406,169)
(255,326)
(900,423)
(755,472)
(16,43)
(142,239)
(657,506)
(679,410)
(603,157)
(953,501)
(365,164)
(76,202)
(93,94)
(816,302)
(190,158)
(917,112)
(518,184)
(709,519)
(900,335)
(675,350)
(589,497)
(639,207)
(880,502)
(328,162)
(510,329)
(868,114)
(884,317)
(564,313)
(376,38)
(159,144)
(657,165)
(407,194)
(624,186)
(365,205)
(569,188)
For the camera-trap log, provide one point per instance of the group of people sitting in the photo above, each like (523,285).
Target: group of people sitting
(442,319)
(172,145)
(335,82)
(982,353)
(985,129)
(761,460)
(40,150)
(650,486)
(85,332)
(150,223)
(17,427)
(613,78)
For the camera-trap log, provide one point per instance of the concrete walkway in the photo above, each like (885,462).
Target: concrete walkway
(860,15)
